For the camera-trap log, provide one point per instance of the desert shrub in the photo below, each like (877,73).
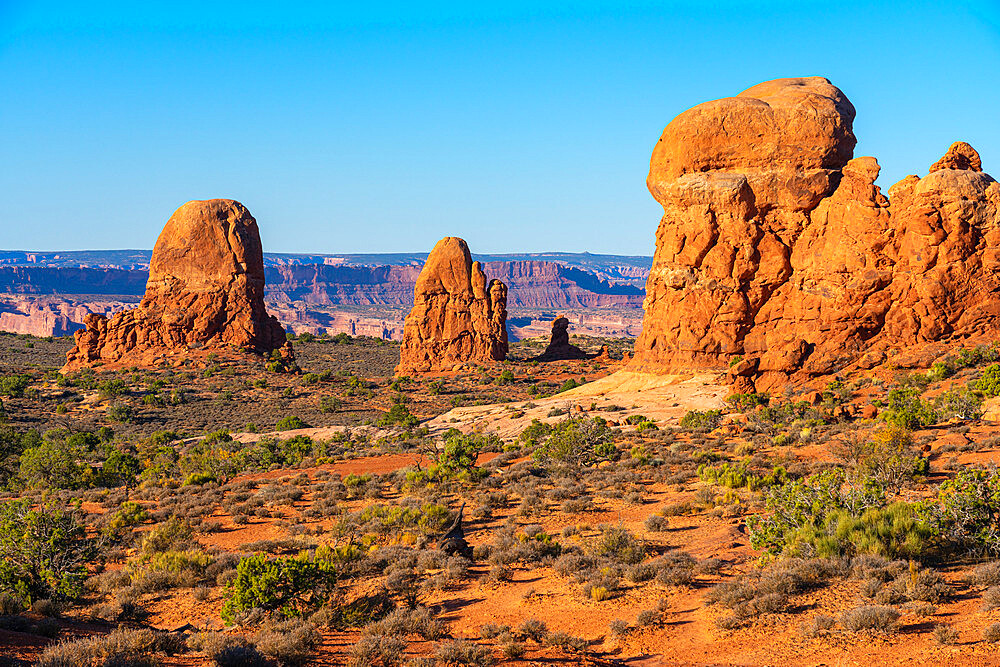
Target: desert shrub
(799,511)
(579,441)
(969,510)
(58,461)
(740,476)
(707,419)
(288,585)
(743,402)
(464,652)
(506,377)
(134,648)
(240,655)
(43,552)
(871,617)
(290,642)
(991,598)
(906,409)
(290,423)
(14,385)
(567,385)
(986,574)
(533,629)
(819,624)
(330,404)
(768,590)
(992,633)
(989,382)
(399,415)
(120,413)
(129,514)
(945,634)
(620,544)
(959,403)
(112,388)
(885,458)
(377,649)
(173,534)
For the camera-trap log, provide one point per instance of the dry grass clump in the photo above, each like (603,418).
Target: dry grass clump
(874,618)
(135,648)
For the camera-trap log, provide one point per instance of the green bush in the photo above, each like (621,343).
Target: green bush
(290,423)
(506,377)
(289,586)
(400,415)
(708,419)
(743,402)
(580,441)
(14,385)
(968,512)
(989,382)
(740,476)
(121,413)
(906,409)
(44,552)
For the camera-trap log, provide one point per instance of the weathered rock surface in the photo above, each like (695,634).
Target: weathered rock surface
(457,317)
(559,347)
(205,290)
(778,247)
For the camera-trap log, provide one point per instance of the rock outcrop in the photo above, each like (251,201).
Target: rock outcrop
(457,317)
(777,247)
(205,291)
(559,347)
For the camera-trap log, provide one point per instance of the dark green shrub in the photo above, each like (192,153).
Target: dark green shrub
(43,552)
(290,585)
(400,415)
(708,419)
(290,423)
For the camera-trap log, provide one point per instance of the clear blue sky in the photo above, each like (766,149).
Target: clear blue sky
(520,126)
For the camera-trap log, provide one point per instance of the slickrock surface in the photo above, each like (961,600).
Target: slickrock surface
(205,290)
(559,347)
(776,247)
(457,317)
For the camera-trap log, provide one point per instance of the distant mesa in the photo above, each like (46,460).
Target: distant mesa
(779,254)
(559,347)
(205,291)
(457,317)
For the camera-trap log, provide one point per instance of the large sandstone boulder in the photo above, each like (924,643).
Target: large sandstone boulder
(457,317)
(205,290)
(777,247)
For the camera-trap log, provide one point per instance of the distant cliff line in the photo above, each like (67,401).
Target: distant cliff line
(533,284)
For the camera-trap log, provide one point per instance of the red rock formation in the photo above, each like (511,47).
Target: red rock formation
(205,290)
(457,318)
(559,347)
(776,246)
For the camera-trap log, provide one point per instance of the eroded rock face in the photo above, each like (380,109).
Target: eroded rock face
(205,290)
(457,317)
(778,247)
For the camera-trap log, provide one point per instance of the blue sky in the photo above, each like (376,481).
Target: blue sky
(520,126)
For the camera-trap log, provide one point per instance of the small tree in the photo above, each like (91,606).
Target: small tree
(43,552)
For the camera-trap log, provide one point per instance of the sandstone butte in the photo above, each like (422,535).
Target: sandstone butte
(778,254)
(457,317)
(205,291)
(559,347)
